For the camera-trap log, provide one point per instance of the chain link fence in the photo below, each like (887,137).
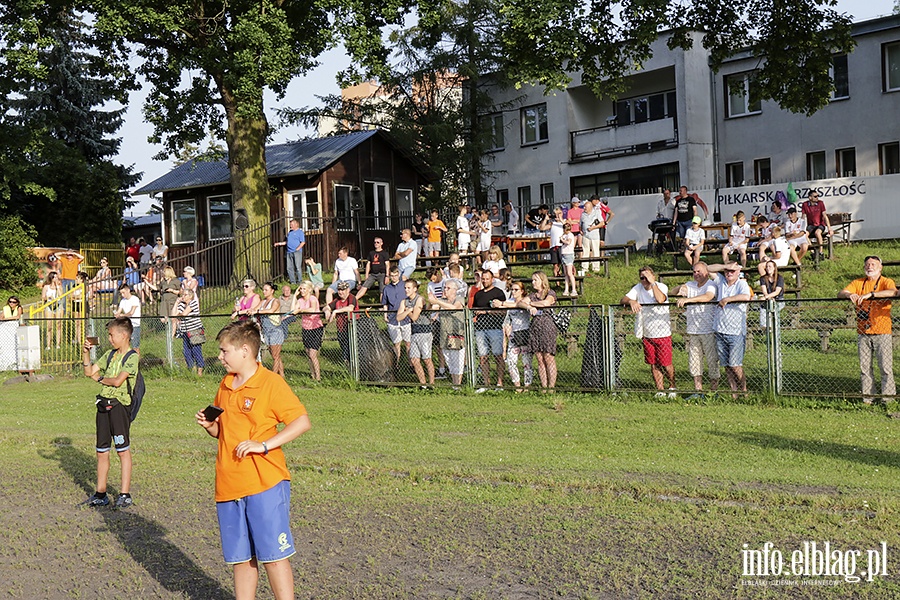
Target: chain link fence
(795,347)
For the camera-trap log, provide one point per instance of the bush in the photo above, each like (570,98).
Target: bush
(16,268)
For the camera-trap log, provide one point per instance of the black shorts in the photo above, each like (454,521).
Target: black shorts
(813,228)
(113,425)
(602,232)
(312,338)
(555,257)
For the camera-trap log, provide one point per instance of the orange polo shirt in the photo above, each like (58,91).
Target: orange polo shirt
(68,266)
(434,234)
(252,412)
(879,321)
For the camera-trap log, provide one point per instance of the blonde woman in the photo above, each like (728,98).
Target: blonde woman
(248,303)
(189,282)
(307,304)
(542,336)
(169,288)
(50,294)
(515,329)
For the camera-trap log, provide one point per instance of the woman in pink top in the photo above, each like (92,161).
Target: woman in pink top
(248,304)
(307,304)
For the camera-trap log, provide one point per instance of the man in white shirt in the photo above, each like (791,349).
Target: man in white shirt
(654,327)
(406,254)
(700,339)
(345,269)
(731,323)
(512,219)
(130,306)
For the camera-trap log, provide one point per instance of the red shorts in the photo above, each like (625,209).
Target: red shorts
(658,351)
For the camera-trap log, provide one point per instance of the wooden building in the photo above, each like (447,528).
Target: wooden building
(345,189)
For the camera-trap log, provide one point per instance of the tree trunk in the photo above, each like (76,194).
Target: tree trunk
(246,140)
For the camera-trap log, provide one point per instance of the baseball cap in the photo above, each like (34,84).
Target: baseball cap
(696,220)
(343,285)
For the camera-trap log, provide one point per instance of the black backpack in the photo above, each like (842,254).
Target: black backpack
(137,393)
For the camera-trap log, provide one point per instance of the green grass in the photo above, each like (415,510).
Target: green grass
(403,494)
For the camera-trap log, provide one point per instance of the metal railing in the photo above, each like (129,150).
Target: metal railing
(795,347)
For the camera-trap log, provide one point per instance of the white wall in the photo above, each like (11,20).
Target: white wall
(871,199)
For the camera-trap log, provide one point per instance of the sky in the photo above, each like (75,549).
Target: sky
(137,151)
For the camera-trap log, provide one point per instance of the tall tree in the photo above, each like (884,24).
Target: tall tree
(61,143)
(209,62)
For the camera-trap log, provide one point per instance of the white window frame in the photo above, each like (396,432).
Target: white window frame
(343,222)
(734,174)
(831,75)
(890,56)
(381,203)
(746,109)
(810,165)
(496,140)
(533,119)
(209,217)
(176,238)
(310,223)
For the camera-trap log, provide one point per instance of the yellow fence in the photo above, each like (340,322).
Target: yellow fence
(62,321)
(114,253)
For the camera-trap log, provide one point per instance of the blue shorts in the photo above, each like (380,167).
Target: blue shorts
(407,272)
(489,342)
(257,525)
(730,349)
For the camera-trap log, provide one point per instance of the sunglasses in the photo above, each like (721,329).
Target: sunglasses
(12,302)
(643,279)
(247,286)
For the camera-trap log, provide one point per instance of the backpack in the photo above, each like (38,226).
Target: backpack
(137,393)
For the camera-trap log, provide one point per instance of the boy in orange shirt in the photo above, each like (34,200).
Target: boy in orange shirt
(253,492)
(435,228)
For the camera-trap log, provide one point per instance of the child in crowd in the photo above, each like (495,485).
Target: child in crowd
(567,257)
(737,239)
(314,273)
(436,229)
(253,493)
(694,238)
(115,371)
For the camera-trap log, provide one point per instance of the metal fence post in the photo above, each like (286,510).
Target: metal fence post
(353,333)
(170,351)
(610,367)
(471,348)
(773,348)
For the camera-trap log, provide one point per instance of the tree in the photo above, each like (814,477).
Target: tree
(209,62)
(61,176)
(16,267)
(506,43)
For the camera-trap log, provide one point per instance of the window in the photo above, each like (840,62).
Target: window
(546,193)
(845,162)
(404,202)
(502,197)
(493,129)
(889,158)
(305,206)
(184,222)
(343,217)
(525,197)
(645,180)
(534,124)
(645,108)
(219,218)
(734,174)
(815,165)
(378,203)
(740,99)
(762,170)
(840,77)
(891,60)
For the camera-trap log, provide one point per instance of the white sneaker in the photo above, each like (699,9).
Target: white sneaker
(480,390)
(659,395)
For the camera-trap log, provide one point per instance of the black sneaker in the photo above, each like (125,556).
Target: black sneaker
(123,501)
(97,500)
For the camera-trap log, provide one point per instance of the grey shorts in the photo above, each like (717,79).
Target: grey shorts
(432,247)
(420,346)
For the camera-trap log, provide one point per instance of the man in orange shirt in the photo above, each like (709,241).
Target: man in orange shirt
(69,261)
(871,296)
(253,493)
(435,228)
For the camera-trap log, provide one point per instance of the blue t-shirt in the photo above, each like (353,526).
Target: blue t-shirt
(132,277)
(295,237)
(392,296)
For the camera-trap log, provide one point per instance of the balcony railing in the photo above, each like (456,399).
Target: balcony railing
(614,140)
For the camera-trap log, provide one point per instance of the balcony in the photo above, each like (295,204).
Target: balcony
(614,140)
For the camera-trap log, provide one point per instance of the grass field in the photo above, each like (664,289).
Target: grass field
(404,494)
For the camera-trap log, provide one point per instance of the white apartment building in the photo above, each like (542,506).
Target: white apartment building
(678,123)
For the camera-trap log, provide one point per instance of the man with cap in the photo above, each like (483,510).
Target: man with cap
(574,219)
(871,296)
(732,295)
(343,307)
